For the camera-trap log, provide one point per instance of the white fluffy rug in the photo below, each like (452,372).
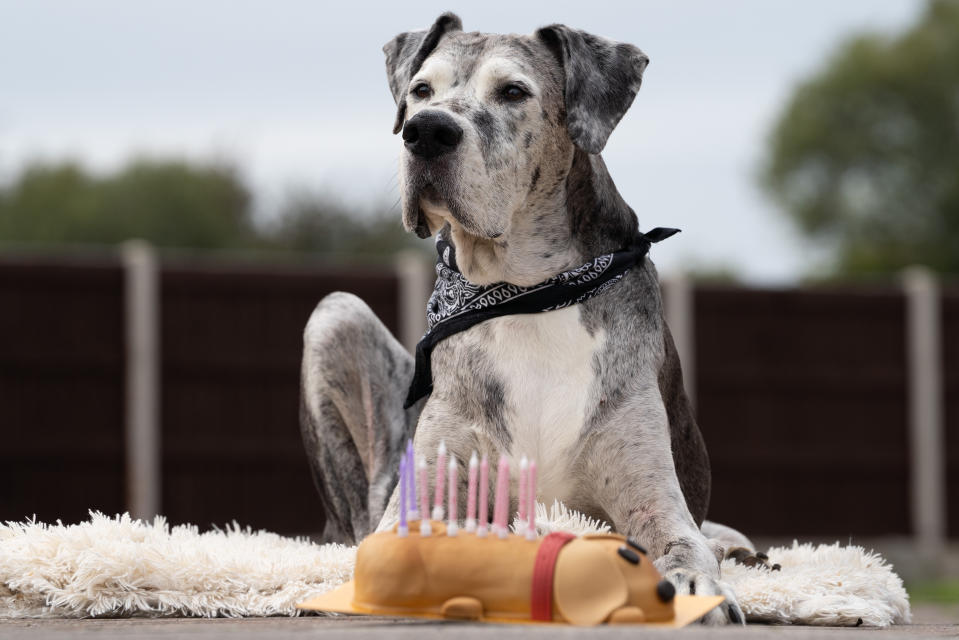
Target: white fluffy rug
(122,567)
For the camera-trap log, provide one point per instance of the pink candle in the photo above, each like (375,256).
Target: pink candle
(471,495)
(440,481)
(523,466)
(452,527)
(483,497)
(501,505)
(425,528)
(402,530)
(531,528)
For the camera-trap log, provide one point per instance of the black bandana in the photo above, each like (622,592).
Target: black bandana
(457,304)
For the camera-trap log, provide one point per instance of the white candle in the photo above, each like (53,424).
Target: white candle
(440,481)
(425,528)
(483,524)
(531,488)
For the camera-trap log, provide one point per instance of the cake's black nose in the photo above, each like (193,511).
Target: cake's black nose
(431,133)
(665,590)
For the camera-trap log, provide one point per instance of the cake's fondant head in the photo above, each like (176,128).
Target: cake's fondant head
(603,578)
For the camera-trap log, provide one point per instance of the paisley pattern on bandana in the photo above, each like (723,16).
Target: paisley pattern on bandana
(457,304)
(453,295)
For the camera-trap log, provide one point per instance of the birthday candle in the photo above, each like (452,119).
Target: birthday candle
(440,481)
(483,497)
(451,526)
(471,495)
(531,489)
(521,525)
(413,513)
(402,530)
(501,506)
(425,528)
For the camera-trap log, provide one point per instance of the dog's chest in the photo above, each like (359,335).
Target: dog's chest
(546,362)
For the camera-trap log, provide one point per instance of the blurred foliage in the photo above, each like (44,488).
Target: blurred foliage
(865,157)
(181,205)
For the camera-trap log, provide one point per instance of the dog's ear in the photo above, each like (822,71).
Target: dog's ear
(602,78)
(405,55)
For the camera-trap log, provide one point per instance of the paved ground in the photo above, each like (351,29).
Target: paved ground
(358,628)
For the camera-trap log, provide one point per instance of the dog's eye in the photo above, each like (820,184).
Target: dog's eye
(422,90)
(513,93)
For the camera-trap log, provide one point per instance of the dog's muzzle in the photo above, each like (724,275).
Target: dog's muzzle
(431,133)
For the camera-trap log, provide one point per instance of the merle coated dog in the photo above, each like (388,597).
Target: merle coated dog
(502,137)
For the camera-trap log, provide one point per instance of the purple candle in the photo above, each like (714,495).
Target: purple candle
(531,488)
(451,526)
(501,506)
(402,530)
(412,512)
(483,497)
(471,495)
(425,528)
(521,525)
(440,481)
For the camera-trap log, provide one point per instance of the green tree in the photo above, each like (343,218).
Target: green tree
(865,156)
(176,204)
(317,223)
(171,204)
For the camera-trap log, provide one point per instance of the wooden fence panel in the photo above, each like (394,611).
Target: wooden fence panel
(801,397)
(231,344)
(802,401)
(61,389)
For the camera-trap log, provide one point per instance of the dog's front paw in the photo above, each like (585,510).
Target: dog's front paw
(691,582)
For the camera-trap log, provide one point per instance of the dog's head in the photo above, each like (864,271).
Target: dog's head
(609,578)
(490,122)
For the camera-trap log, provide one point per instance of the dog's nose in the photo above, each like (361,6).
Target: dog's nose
(429,134)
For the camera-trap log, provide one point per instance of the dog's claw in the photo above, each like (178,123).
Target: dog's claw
(727,613)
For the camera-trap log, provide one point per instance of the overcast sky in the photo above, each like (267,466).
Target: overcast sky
(295,93)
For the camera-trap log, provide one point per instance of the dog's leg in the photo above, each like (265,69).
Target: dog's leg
(353,382)
(631,467)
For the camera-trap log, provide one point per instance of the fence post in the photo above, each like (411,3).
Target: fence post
(925,393)
(415,288)
(680,315)
(142,309)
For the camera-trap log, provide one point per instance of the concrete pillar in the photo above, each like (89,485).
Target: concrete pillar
(142,320)
(925,389)
(416,284)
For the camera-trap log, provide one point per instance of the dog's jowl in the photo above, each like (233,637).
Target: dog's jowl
(501,139)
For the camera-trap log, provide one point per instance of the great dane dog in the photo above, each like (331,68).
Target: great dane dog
(502,139)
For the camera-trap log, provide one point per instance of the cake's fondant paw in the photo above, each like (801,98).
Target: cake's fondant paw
(749,558)
(689,582)
(462,608)
(627,615)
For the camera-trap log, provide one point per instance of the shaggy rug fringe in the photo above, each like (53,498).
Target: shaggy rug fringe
(118,566)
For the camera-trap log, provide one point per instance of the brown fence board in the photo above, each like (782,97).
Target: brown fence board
(61,389)
(232,342)
(801,399)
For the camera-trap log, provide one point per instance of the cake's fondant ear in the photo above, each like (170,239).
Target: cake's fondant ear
(587,585)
